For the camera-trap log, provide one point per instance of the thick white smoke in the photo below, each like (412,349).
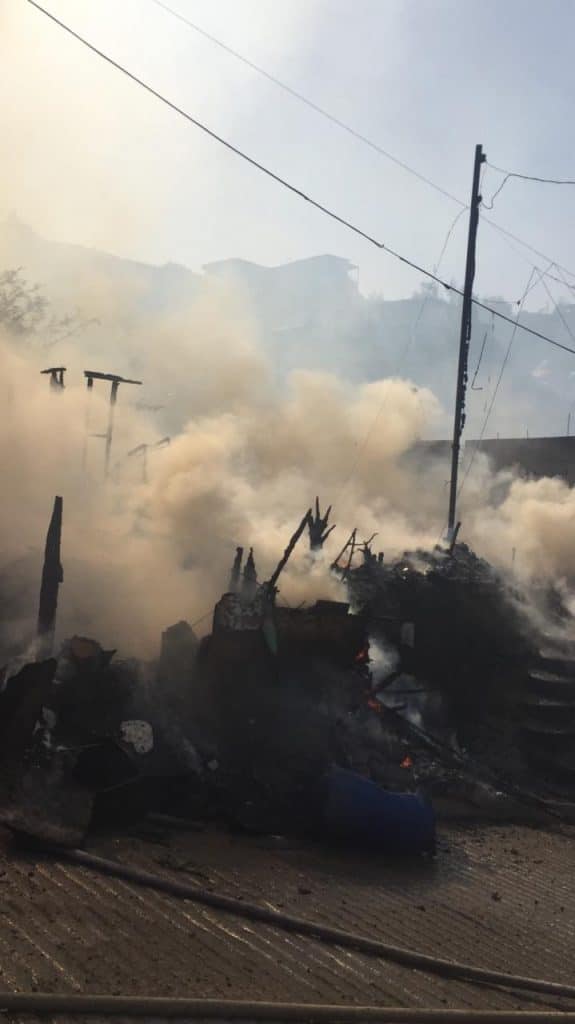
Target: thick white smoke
(139,554)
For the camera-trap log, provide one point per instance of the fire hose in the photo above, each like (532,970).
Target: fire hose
(227,1009)
(325,933)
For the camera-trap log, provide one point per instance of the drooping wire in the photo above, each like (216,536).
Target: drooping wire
(473,387)
(522,177)
(530,177)
(546,273)
(282,181)
(561,278)
(526,245)
(508,237)
(557,309)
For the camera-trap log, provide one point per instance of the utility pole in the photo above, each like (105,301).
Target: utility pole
(464,339)
(143,449)
(116,380)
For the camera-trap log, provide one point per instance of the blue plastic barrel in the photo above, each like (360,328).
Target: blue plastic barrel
(359,810)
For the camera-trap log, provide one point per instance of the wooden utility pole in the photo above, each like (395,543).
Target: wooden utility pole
(52,576)
(464,339)
(143,449)
(116,380)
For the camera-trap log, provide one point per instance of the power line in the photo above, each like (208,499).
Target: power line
(510,320)
(368,434)
(282,181)
(345,126)
(529,177)
(308,103)
(561,279)
(479,361)
(426,298)
(546,273)
(557,309)
(516,324)
(530,248)
(523,177)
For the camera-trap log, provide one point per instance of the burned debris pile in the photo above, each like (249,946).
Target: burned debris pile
(472,667)
(77,729)
(427,682)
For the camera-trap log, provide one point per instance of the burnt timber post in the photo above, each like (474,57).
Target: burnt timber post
(52,576)
(464,339)
(56,377)
(109,431)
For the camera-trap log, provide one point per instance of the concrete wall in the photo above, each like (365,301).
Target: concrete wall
(529,456)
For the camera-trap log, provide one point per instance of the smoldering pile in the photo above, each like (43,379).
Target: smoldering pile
(341,718)
(402,672)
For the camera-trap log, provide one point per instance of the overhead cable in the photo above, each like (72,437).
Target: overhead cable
(282,181)
(504,363)
(561,278)
(557,308)
(522,177)
(398,368)
(343,124)
(531,177)
(426,297)
(309,103)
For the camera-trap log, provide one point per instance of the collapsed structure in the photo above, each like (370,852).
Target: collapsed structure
(431,682)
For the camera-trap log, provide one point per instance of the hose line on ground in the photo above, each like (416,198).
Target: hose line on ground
(325,933)
(224,1009)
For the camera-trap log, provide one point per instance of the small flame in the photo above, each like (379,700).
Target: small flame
(407,762)
(374,705)
(362,656)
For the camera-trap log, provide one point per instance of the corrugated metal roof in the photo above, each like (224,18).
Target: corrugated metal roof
(501,898)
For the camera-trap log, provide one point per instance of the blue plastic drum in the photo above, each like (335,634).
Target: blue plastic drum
(361,811)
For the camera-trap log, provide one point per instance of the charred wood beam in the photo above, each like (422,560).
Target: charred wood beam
(56,377)
(236,571)
(52,577)
(250,576)
(350,540)
(351,551)
(318,528)
(284,559)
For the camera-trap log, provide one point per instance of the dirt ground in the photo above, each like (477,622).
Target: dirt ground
(498,897)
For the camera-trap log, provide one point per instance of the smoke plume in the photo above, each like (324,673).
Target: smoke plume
(253,453)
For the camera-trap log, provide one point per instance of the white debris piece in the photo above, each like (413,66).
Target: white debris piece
(139,734)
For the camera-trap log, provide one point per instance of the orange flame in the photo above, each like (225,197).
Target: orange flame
(407,762)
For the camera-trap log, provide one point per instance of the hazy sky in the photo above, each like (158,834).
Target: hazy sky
(91,158)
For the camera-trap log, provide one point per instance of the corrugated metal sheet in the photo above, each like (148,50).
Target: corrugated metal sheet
(501,898)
